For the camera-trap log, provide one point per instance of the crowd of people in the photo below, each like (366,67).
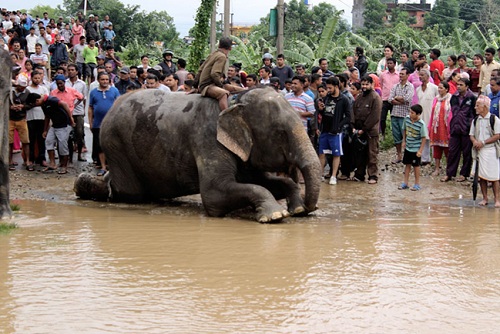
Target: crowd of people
(66,70)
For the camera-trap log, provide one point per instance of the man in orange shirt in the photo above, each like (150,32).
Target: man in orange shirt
(66,94)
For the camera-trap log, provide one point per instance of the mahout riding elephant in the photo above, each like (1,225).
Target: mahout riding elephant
(161,145)
(5,86)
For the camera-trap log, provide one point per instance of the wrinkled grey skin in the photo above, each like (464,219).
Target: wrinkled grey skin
(168,145)
(5,86)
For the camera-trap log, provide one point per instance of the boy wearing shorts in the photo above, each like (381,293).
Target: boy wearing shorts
(335,111)
(414,138)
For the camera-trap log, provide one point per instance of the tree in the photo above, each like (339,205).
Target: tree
(469,11)
(201,31)
(401,16)
(373,15)
(158,26)
(444,13)
(40,9)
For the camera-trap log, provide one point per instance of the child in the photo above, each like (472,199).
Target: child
(109,36)
(414,138)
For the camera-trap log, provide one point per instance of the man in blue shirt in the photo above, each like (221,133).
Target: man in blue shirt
(101,100)
(494,96)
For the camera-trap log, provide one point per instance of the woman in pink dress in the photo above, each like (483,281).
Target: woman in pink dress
(77,31)
(439,124)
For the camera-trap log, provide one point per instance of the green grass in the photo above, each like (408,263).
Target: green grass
(7,227)
(388,142)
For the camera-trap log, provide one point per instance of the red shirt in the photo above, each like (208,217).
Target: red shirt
(436,65)
(69,95)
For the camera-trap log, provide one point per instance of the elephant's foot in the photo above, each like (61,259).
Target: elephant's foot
(271,215)
(298,211)
(296,205)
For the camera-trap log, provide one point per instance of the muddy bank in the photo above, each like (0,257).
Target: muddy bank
(51,186)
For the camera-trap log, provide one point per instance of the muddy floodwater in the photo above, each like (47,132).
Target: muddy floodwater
(372,259)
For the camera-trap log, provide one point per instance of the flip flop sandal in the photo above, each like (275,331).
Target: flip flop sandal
(461,178)
(403,186)
(30,168)
(62,171)
(102,172)
(12,167)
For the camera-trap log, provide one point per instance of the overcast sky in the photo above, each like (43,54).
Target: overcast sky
(245,11)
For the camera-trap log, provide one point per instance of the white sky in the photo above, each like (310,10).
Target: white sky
(184,11)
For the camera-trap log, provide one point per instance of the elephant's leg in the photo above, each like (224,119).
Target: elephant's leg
(124,183)
(221,197)
(284,187)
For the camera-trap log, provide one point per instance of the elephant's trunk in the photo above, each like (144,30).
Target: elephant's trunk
(308,162)
(91,187)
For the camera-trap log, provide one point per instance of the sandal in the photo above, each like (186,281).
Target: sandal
(403,186)
(461,178)
(445,179)
(342,177)
(415,187)
(12,167)
(102,172)
(49,169)
(372,181)
(30,168)
(62,171)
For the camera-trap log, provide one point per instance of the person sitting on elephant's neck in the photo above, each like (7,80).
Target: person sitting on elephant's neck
(208,80)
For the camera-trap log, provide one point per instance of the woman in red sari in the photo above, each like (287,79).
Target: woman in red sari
(439,125)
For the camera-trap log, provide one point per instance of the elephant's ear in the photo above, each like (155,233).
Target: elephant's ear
(234,133)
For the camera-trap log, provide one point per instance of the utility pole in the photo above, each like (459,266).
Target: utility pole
(281,26)
(227,16)
(213,29)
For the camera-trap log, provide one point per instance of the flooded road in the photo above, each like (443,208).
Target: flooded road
(372,259)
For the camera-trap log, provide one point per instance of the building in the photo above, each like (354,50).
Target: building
(417,10)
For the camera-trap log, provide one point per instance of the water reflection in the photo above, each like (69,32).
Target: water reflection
(363,263)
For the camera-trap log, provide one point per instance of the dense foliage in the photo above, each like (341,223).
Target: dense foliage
(201,33)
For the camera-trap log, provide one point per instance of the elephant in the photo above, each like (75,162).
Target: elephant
(164,145)
(5,87)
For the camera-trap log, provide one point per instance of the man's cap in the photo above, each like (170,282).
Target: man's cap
(168,52)
(125,70)
(62,39)
(60,77)
(158,68)
(22,81)
(101,57)
(91,15)
(237,65)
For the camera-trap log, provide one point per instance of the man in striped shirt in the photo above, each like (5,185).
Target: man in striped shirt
(300,101)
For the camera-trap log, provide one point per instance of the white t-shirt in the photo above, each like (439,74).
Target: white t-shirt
(36,113)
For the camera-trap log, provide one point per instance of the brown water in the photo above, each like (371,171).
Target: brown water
(371,260)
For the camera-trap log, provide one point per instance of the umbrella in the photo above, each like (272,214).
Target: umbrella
(476,180)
